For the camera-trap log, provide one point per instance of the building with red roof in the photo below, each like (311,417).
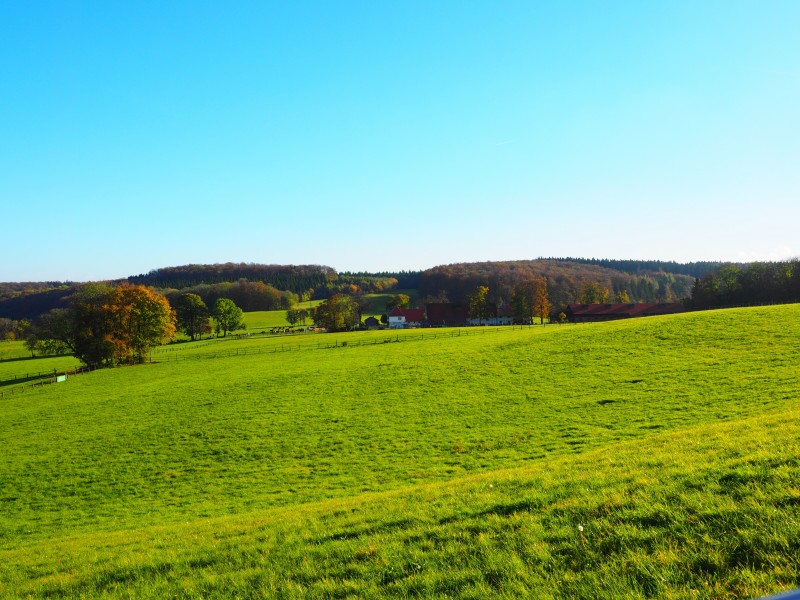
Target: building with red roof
(401,318)
(586,313)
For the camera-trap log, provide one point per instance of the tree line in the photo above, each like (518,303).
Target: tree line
(255,287)
(566,282)
(248,295)
(293,278)
(104,325)
(634,267)
(751,284)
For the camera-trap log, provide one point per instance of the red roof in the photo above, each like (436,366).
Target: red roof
(625,310)
(412,315)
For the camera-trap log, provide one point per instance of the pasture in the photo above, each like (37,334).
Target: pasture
(418,463)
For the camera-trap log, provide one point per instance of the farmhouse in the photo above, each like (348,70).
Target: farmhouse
(454,314)
(401,318)
(498,317)
(586,313)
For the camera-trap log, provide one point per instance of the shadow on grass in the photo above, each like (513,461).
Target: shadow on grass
(25,358)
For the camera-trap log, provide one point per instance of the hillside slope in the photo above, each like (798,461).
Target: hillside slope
(365,468)
(707,512)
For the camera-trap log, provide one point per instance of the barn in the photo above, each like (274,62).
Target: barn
(588,313)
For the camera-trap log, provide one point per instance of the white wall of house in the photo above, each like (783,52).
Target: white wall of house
(397,322)
(492,321)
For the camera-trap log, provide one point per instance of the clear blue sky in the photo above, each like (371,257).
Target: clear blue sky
(394,135)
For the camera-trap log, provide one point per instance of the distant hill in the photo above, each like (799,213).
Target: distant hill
(293,278)
(33,302)
(252,286)
(634,267)
(565,279)
(639,280)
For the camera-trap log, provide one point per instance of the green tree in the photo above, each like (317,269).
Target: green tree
(479,304)
(337,313)
(522,301)
(105,326)
(52,330)
(20,327)
(622,297)
(93,324)
(303,315)
(594,293)
(297,315)
(193,315)
(228,316)
(529,299)
(398,301)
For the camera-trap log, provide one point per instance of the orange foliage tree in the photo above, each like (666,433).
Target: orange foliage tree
(106,325)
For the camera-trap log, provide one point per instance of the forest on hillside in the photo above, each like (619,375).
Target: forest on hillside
(291,278)
(634,267)
(275,287)
(566,281)
(752,284)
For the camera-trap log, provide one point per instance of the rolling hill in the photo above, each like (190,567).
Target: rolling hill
(640,458)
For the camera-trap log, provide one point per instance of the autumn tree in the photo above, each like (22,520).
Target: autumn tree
(479,307)
(622,297)
(337,313)
(11,330)
(227,316)
(144,319)
(529,299)
(105,325)
(541,302)
(193,315)
(594,293)
(398,301)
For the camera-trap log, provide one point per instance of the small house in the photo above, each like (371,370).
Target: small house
(403,318)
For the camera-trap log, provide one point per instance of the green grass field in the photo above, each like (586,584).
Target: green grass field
(18,367)
(422,463)
(267,319)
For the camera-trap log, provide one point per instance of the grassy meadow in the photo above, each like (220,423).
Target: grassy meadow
(649,457)
(375,306)
(17,366)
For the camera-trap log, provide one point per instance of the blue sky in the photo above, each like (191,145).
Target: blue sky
(394,135)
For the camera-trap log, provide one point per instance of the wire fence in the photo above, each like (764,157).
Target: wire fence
(393,336)
(39,380)
(19,383)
